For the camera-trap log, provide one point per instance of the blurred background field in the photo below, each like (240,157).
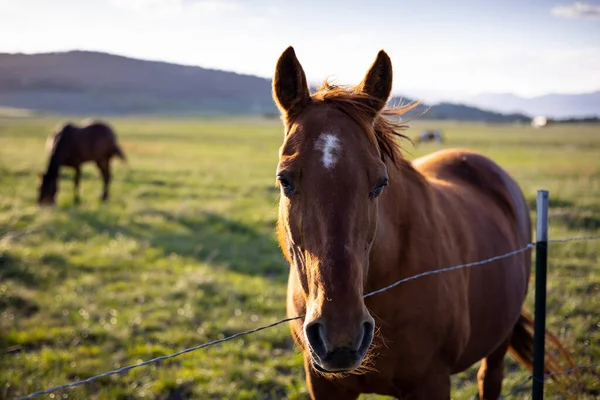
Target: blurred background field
(185,253)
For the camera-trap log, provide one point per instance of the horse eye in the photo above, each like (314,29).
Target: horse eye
(379,188)
(285,183)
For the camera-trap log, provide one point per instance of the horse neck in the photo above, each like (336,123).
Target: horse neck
(405,222)
(55,161)
(411,194)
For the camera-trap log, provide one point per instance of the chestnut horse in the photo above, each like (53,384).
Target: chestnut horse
(72,146)
(356,216)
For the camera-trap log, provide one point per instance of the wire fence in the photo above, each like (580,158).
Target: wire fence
(282,321)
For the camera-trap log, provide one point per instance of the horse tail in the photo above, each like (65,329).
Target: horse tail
(118,151)
(521,348)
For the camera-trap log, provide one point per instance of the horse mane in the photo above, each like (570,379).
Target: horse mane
(88,122)
(85,123)
(53,162)
(359,106)
(54,143)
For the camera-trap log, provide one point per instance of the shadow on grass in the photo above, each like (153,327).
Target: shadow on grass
(553,202)
(24,306)
(36,273)
(207,237)
(171,180)
(576,220)
(15,269)
(212,238)
(569,215)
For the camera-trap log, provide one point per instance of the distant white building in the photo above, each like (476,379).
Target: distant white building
(539,122)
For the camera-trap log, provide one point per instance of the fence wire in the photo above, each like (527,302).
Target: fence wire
(240,334)
(517,389)
(574,239)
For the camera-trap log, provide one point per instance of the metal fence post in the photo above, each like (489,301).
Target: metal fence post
(541,266)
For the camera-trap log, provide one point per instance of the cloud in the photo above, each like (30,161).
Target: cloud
(150,7)
(213,6)
(170,8)
(9,6)
(578,10)
(524,71)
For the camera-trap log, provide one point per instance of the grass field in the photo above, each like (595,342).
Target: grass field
(185,253)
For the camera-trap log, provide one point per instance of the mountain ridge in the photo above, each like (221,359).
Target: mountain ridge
(93,82)
(554,105)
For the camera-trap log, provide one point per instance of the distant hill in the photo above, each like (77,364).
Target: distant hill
(83,82)
(461,112)
(89,82)
(552,105)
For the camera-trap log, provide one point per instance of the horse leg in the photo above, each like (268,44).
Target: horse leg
(104,166)
(491,373)
(76,180)
(321,388)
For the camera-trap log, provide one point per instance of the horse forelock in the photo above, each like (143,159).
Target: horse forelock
(381,131)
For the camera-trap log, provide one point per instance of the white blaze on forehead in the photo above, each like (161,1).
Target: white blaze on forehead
(329,144)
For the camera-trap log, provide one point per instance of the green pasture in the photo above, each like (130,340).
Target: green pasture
(185,253)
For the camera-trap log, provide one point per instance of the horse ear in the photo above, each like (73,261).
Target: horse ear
(290,89)
(377,83)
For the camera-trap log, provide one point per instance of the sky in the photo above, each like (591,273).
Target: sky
(438,48)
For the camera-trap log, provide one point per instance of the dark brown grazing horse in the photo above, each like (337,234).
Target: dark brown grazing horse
(72,146)
(356,216)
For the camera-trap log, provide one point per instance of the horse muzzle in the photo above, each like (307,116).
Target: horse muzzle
(330,355)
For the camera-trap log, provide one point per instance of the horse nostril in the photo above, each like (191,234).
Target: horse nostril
(367,338)
(314,334)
